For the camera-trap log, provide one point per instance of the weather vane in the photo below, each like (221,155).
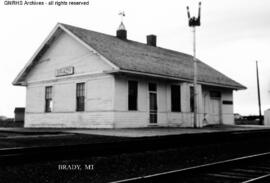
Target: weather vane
(122,15)
(193,21)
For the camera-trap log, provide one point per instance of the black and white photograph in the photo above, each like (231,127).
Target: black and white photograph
(134,91)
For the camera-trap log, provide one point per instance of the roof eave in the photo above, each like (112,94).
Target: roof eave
(240,87)
(19,83)
(19,78)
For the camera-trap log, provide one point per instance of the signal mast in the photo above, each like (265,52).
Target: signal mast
(194,22)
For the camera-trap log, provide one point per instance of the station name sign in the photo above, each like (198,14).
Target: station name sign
(64,71)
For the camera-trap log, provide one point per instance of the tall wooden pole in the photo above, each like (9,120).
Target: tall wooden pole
(195,78)
(259,95)
(193,22)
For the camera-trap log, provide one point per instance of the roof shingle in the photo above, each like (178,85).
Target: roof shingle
(134,56)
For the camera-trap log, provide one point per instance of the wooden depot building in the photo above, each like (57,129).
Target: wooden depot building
(85,79)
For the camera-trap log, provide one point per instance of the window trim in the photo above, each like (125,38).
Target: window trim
(173,109)
(191,99)
(48,99)
(130,108)
(153,112)
(79,92)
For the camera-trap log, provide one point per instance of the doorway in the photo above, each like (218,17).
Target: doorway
(152,87)
(215,107)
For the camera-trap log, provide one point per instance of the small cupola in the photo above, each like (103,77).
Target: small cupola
(121,32)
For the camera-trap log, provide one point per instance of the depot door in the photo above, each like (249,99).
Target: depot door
(215,110)
(215,107)
(152,103)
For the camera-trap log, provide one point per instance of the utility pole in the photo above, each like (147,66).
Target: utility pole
(193,22)
(259,95)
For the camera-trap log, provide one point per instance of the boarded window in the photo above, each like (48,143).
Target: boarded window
(48,99)
(132,95)
(191,99)
(175,98)
(215,94)
(80,95)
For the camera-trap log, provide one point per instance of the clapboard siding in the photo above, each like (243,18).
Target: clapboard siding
(70,120)
(227,109)
(140,118)
(98,104)
(35,99)
(106,95)
(66,51)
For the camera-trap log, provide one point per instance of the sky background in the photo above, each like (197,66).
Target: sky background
(233,35)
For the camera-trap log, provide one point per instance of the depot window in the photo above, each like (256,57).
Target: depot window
(48,99)
(80,96)
(191,98)
(175,98)
(132,95)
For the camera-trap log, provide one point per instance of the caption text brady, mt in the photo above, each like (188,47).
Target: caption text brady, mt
(46,3)
(75,167)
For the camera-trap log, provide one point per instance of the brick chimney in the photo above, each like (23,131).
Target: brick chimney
(151,40)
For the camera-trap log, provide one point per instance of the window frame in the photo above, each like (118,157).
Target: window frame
(191,98)
(175,98)
(48,99)
(132,96)
(80,97)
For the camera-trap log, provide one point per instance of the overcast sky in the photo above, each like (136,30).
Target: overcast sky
(233,35)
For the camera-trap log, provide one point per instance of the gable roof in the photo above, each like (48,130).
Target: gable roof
(139,58)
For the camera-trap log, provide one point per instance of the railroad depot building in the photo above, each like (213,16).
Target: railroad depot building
(85,79)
